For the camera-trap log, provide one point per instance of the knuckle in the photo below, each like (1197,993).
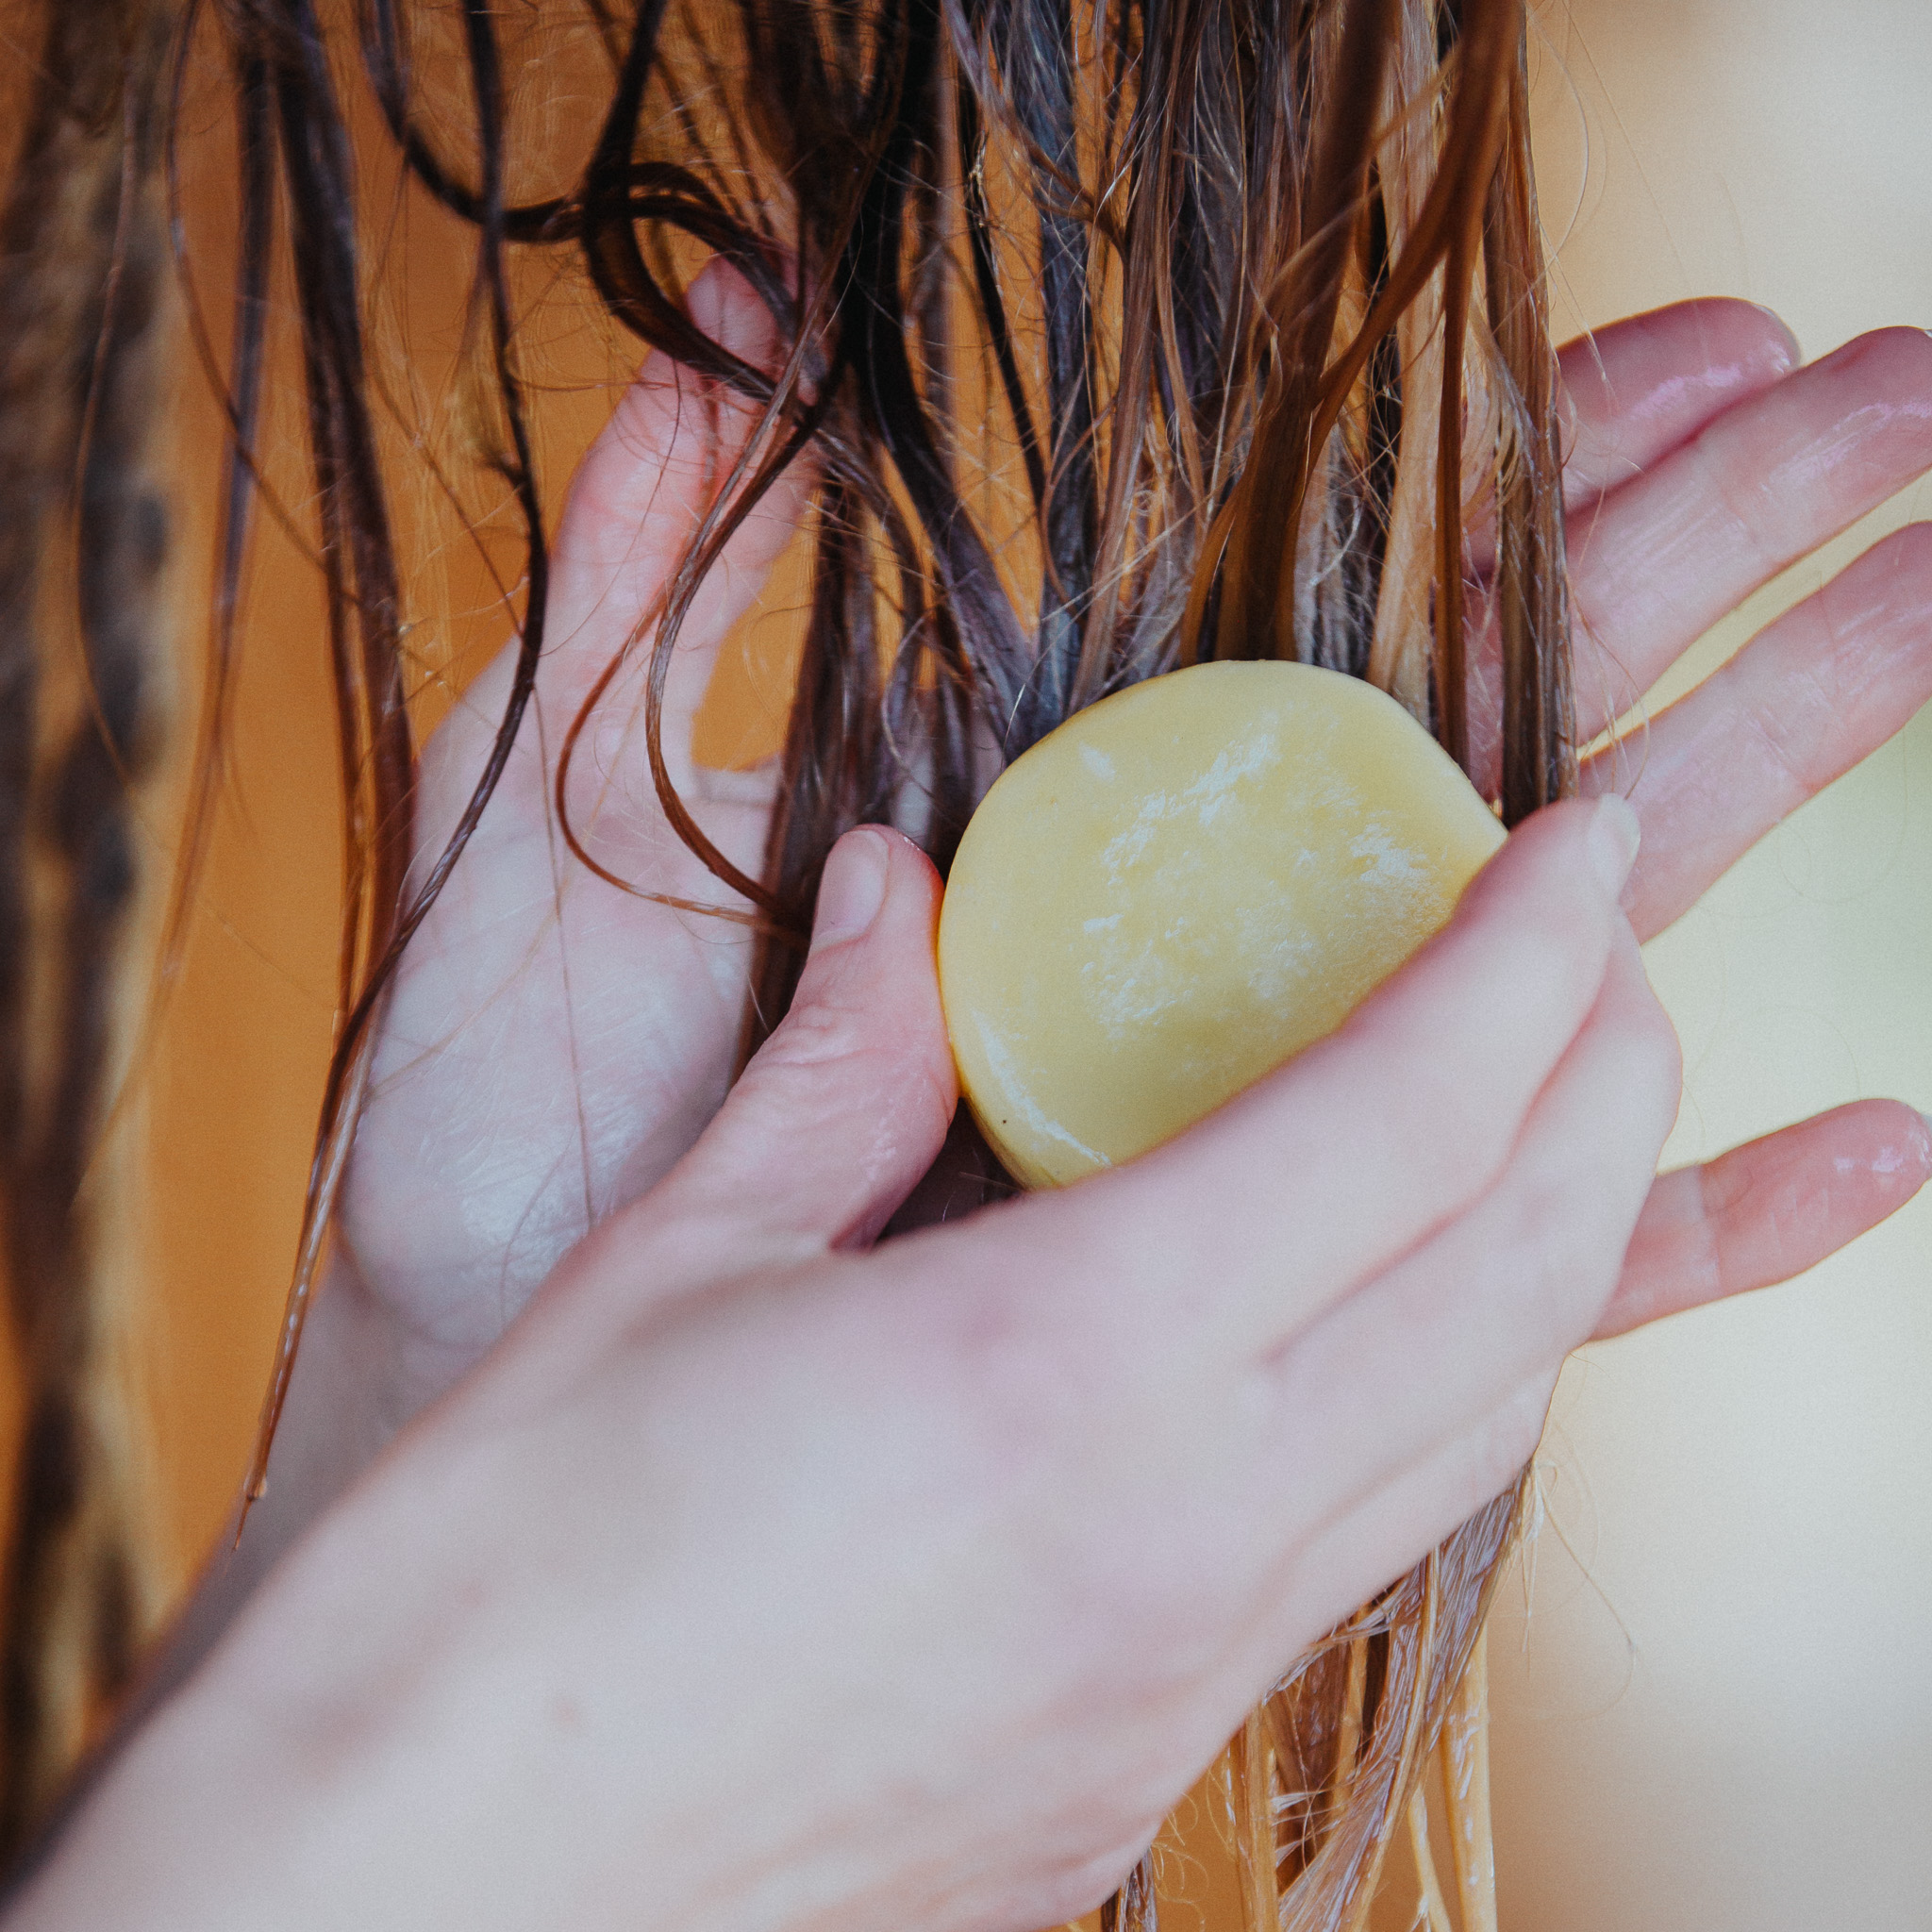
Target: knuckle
(1074,1450)
(1666,1057)
(816,1033)
(1509,1440)
(1650,1061)
(1787,731)
(1087,1880)
(1565,1261)
(1744,494)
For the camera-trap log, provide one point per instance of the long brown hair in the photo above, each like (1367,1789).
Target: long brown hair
(1121,336)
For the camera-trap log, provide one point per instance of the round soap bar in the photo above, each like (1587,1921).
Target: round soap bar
(1178,890)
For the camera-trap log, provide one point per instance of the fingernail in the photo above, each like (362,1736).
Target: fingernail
(1790,334)
(852,889)
(1613,839)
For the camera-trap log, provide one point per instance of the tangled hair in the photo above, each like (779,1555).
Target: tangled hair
(1121,336)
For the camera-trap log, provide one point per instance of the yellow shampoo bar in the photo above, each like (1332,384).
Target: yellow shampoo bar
(1181,888)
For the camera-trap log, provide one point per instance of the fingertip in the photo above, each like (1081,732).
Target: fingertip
(1917,1145)
(1897,360)
(1880,1151)
(1650,381)
(1614,837)
(1907,548)
(1586,843)
(1739,343)
(852,888)
(1787,336)
(723,304)
(875,919)
(852,1094)
(1745,346)
(1766,1211)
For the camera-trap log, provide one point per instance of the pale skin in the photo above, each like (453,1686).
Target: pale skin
(714,1567)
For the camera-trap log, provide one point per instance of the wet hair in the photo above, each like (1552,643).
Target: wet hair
(1120,336)
(84,551)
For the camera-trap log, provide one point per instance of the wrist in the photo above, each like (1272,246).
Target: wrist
(349,1396)
(401,1729)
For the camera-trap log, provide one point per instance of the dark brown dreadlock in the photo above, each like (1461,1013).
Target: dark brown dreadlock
(84,381)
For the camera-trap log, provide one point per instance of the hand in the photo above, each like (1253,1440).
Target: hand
(1011,1519)
(554,1045)
(1700,467)
(551,1045)
(1004,1470)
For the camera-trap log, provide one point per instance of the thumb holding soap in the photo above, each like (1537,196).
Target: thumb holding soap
(1405,1119)
(846,1105)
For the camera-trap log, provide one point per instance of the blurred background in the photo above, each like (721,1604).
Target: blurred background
(1715,1712)
(1714,1669)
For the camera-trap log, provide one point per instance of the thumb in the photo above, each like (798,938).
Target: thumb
(847,1104)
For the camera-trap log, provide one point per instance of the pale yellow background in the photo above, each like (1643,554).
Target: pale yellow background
(1720,1716)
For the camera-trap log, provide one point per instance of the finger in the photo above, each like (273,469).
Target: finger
(1808,697)
(1659,561)
(1635,390)
(638,498)
(844,1107)
(1769,1210)
(634,508)
(1323,1173)
(1411,1403)
(1384,1534)
(1632,391)
(1423,1354)
(1756,1216)
(1630,394)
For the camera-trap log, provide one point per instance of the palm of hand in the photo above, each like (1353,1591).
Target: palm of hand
(551,1048)
(553,1045)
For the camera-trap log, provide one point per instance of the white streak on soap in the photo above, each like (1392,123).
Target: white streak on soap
(1209,796)
(1389,864)
(1022,1103)
(1213,792)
